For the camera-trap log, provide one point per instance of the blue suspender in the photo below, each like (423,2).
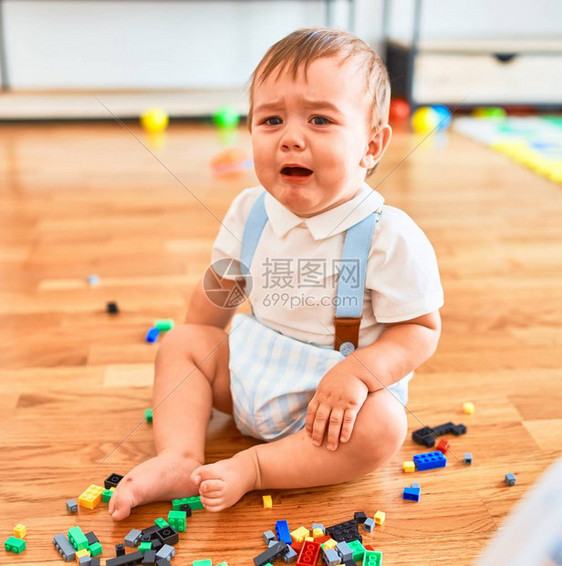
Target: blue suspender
(351,278)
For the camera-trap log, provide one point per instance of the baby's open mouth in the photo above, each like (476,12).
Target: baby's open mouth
(296,171)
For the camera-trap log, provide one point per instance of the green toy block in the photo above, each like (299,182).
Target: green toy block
(195,502)
(372,558)
(96,549)
(144,546)
(148,415)
(77,538)
(14,544)
(164,324)
(206,562)
(226,564)
(161,522)
(106,495)
(358,550)
(177,520)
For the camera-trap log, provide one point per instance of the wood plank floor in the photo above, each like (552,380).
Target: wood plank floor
(74,381)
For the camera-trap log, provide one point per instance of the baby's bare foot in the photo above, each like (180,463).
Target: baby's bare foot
(164,477)
(223,483)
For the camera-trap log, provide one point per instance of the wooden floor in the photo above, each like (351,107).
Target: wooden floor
(74,381)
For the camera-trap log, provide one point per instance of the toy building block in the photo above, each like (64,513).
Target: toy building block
(430,460)
(331,557)
(411,493)
(63,546)
(93,280)
(468,408)
(176,519)
(120,549)
(91,538)
(380,517)
(166,552)
(358,550)
(346,531)
(372,558)
(106,495)
(164,324)
(95,562)
(206,562)
(290,556)
(125,560)
(14,544)
(77,538)
(152,335)
(300,534)
(273,552)
(345,551)
(177,503)
(369,524)
(416,485)
(282,532)
(148,415)
(163,562)
(330,543)
(166,535)
(193,502)
(83,553)
(509,479)
(144,546)
(91,497)
(426,435)
(267,502)
(96,549)
(112,307)
(442,446)
(161,522)
(309,554)
(223,564)
(20,531)
(360,516)
(408,467)
(149,558)
(468,459)
(72,506)
(132,539)
(318,529)
(268,536)
(112,481)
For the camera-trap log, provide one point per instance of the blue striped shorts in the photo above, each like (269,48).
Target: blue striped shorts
(274,377)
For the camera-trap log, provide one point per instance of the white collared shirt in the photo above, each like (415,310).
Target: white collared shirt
(295,265)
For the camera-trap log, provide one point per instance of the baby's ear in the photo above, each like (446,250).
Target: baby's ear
(376,147)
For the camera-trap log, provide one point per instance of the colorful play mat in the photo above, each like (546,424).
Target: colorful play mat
(535,142)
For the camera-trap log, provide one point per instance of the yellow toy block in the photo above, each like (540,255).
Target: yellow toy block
(20,531)
(309,539)
(468,408)
(330,543)
(409,467)
(267,502)
(379,517)
(317,533)
(80,553)
(91,497)
(300,534)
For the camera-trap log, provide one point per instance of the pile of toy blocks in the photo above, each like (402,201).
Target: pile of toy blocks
(338,544)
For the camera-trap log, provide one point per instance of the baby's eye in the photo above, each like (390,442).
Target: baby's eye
(320,120)
(273,121)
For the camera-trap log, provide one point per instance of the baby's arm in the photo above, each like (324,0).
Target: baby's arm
(400,349)
(203,311)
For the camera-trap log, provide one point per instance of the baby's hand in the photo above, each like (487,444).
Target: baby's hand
(334,407)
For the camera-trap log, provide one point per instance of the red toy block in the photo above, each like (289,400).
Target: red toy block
(442,446)
(309,554)
(296,546)
(322,539)
(369,547)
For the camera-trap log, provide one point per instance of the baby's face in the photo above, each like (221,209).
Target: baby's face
(310,136)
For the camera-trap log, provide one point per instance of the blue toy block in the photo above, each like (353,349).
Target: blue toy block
(369,524)
(282,531)
(468,458)
(152,335)
(415,484)
(509,479)
(411,493)
(430,460)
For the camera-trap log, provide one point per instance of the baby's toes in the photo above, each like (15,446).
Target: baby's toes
(211,488)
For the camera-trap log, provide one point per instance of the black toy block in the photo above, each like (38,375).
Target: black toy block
(112,481)
(426,436)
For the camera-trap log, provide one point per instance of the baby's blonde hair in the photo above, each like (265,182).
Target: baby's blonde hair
(303,46)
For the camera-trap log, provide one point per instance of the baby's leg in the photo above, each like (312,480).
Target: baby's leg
(191,376)
(293,462)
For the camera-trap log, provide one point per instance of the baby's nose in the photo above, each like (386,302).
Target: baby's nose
(292,139)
